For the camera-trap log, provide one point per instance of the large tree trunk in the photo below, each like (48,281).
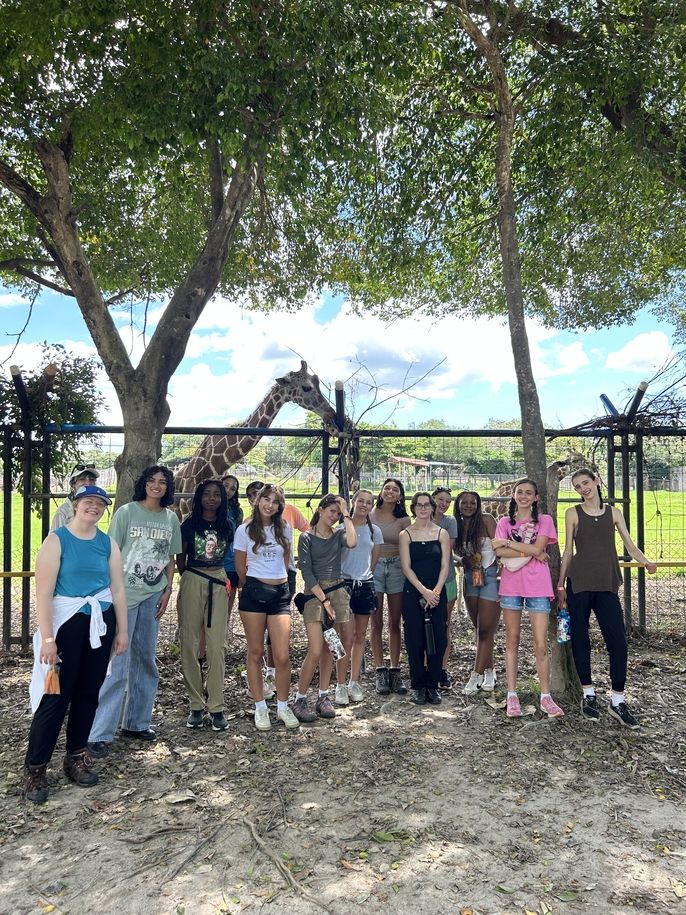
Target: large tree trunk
(141,391)
(563,674)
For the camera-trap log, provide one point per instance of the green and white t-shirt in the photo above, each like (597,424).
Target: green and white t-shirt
(147,541)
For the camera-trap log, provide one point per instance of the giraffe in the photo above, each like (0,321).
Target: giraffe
(217,453)
(497,503)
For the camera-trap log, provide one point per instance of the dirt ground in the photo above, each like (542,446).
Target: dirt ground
(454,809)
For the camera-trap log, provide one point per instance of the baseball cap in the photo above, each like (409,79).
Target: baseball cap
(92,491)
(81,469)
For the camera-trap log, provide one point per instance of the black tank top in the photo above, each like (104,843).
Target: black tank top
(425,559)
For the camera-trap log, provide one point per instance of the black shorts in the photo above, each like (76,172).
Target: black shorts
(257,597)
(232,577)
(291,582)
(362,596)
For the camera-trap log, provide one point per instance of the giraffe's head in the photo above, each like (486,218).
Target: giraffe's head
(302,388)
(559,469)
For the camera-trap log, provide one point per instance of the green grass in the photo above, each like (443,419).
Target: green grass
(665,525)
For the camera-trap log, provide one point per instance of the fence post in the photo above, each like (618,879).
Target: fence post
(326,457)
(45,484)
(7,433)
(640,531)
(626,510)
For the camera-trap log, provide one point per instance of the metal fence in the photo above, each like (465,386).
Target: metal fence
(305,463)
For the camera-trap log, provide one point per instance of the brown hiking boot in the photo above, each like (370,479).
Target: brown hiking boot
(78,767)
(36,784)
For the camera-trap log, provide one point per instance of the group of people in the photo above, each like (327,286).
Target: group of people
(100,598)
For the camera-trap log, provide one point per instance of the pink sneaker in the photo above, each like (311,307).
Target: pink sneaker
(551,708)
(514,709)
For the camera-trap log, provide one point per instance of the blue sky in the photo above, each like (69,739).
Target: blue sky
(234,355)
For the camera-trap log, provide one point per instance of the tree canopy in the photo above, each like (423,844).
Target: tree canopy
(598,167)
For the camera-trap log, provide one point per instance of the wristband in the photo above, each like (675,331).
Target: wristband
(560,588)
(49,640)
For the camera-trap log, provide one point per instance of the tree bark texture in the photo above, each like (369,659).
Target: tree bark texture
(533,437)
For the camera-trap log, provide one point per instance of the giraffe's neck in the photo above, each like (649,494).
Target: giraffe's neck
(266,410)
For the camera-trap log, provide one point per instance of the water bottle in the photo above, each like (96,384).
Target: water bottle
(335,645)
(563,626)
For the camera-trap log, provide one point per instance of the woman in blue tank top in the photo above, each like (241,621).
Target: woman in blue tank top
(81,609)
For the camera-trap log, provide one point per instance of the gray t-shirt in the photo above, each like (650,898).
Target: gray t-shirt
(449,524)
(355,563)
(319,558)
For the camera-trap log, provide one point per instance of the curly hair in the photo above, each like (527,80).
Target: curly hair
(512,507)
(149,472)
(222,523)
(471,530)
(399,510)
(255,528)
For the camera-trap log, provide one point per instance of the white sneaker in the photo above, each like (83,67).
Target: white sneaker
(262,720)
(342,697)
(489,680)
(269,687)
(286,715)
(473,685)
(355,692)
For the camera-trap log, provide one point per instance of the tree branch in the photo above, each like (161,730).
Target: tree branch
(21,188)
(168,343)
(37,278)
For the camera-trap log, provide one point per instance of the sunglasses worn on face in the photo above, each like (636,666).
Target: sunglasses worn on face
(423,505)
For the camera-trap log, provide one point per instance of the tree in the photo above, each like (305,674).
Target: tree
(162,153)
(61,389)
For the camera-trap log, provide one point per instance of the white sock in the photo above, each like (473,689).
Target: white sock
(545,696)
(261,704)
(616,699)
(589,691)
(300,696)
(281,705)
(323,692)
(353,683)
(510,693)
(270,672)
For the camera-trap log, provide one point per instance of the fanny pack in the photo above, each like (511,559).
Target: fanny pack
(301,599)
(262,592)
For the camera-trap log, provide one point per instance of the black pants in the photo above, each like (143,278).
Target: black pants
(608,612)
(425,670)
(82,673)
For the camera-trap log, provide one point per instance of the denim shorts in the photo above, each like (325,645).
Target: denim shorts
(362,597)
(258,597)
(532,604)
(489,589)
(388,576)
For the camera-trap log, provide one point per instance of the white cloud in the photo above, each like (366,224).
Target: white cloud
(647,352)
(254,348)
(11,300)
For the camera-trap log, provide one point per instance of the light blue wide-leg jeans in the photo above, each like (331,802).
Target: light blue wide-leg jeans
(134,676)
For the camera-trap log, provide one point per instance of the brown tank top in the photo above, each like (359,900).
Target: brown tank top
(594,565)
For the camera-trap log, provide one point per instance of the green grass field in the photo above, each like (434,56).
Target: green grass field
(665,525)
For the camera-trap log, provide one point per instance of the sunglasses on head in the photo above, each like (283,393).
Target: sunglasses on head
(80,467)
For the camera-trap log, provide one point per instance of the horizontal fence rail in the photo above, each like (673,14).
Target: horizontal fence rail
(307,463)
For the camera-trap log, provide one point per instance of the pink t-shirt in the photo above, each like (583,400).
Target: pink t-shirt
(533,579)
